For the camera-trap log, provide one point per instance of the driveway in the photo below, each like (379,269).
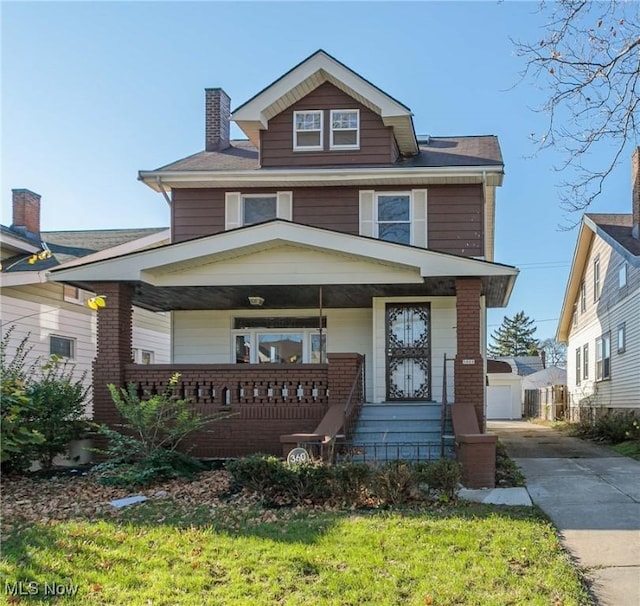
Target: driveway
(593,497)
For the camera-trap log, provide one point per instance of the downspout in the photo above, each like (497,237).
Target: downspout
(163,191)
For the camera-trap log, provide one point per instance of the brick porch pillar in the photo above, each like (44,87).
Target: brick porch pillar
(114,347)
(343,369)
(469,382)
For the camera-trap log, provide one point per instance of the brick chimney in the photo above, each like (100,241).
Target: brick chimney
(635,184)
(217,112)
(26,212)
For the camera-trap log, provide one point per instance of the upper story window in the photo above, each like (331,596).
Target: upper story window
(248,208)
(596,278)
(345,129)
(257,208)
(307,130)
(393,217)
(399,217)
(622,275)
(583,297)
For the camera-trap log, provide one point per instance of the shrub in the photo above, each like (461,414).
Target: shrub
(613,427)
(146,448)
(442,476)
(349,481)
(394,482)
(59,401)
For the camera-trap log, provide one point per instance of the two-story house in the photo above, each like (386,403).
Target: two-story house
(600,319)
(54,317)
(334,256)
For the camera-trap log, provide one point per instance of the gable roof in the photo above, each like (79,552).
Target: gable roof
(170,265)
(320,67)
(553,375)
(615,230)
(69,246)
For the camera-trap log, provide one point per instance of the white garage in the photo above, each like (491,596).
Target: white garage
(504,395)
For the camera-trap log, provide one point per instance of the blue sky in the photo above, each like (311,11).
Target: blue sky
(92,92)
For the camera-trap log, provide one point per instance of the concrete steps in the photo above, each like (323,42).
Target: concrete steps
(399,430)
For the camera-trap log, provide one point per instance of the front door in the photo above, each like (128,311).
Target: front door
(408,347)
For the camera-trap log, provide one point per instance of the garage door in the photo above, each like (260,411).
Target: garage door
(499,402)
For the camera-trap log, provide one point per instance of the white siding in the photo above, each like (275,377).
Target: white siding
(614,307)
(39,310)
(443,341)
(204,337)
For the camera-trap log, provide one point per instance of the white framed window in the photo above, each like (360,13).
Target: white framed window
(249,208)
(307,130)
(62,346)
(622,275)
(278,340)
(622,338)
(399,217)
(596,278)
(578,365)
(142,356)
(603,357)
(583,296)
(71,294)
(575,315)
(345,129)
(257,208)
(585,361)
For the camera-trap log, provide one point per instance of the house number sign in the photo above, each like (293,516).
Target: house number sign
(297,456)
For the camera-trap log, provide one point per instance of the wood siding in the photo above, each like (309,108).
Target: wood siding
(615,306)
(455,213)
(377,145)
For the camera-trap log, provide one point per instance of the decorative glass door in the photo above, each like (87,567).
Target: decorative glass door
(408,350)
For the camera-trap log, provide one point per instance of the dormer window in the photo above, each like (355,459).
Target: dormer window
(307,130)
(345,129)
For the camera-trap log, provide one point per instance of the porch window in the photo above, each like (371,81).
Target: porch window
(307,130)
(280,340)
(345,129)
(603,357)
(399,217)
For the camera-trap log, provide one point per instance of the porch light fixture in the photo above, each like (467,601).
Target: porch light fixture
(256,301)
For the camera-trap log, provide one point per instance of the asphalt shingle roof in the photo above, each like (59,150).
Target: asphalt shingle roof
(69,245)
(618,227)
(439,152)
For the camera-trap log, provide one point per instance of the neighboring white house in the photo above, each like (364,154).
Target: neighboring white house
(600,319)
(54,315)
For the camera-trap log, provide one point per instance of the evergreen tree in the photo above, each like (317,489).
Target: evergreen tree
(514,337)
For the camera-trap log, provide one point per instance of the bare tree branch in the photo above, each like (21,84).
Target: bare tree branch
(588,64)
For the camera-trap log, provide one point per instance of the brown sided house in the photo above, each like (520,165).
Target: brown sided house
(328,276)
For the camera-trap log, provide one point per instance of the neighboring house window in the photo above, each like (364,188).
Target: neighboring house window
(395,216)
(603,357)
(307,130)
(578,366)
(259,207)
(242,209)
(575,315)
(71,294)
(585,361)
(279,340)
(622,275)
(142,356)
(583,297)
(345,129)
(596,278)
(61,346)
(622,338)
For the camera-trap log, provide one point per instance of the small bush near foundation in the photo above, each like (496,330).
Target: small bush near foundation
(442,476)
(349,481)
(394,482)
(613,427)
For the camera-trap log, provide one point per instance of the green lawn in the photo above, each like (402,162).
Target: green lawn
(163,553)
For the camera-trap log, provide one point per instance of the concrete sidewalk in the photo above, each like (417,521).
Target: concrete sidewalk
(593,497)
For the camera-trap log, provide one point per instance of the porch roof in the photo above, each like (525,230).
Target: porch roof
(286,263)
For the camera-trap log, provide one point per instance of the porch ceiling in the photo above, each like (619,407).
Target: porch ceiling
(294,296)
